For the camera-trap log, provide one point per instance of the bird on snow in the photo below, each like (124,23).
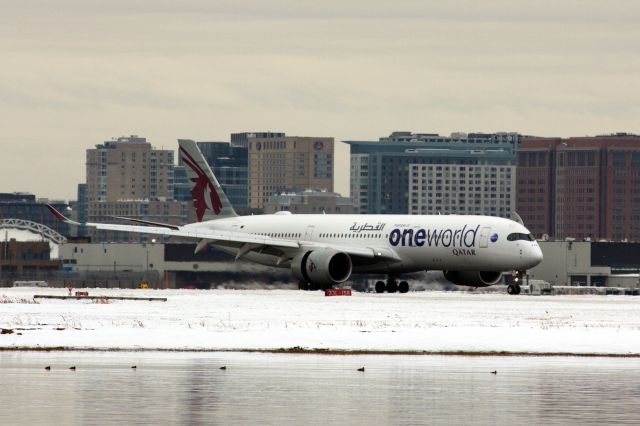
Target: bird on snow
(72,368)
(48,367)
(361,369)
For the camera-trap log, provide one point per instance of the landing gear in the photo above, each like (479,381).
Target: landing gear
(518,278)
(392,286)
(513,289)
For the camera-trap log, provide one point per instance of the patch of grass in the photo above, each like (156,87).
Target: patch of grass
(22,300)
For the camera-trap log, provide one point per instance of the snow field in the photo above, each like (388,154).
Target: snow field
(286,319)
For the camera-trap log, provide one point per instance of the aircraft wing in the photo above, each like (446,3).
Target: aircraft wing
(211,236)
(244,241)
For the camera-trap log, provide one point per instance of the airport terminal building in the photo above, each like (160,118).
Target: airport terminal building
(589,264)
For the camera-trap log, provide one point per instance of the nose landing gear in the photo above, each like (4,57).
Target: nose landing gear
(518,278)
(513,289)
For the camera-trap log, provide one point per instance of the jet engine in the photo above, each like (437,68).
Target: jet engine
(473,278)
(322,268)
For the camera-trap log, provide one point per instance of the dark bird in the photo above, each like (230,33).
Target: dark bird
(48,367)
(72,368)
(494,372)
(224,367)
(361,369)
(134,366)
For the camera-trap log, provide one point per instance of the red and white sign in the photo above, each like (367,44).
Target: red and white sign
(337,292)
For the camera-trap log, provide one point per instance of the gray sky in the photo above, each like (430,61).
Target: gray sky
(76,73)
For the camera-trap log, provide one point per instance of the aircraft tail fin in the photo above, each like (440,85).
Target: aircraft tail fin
(209,199)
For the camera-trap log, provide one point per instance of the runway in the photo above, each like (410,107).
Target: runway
(297,321)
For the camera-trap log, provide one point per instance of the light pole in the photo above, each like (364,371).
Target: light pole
(146,271)
(146,268)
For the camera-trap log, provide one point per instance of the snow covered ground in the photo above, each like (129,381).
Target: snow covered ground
(285,319)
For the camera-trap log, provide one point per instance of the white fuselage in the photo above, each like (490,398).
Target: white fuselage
(442,242)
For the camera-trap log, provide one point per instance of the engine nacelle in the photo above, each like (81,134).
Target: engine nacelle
(473,278)
(322,268)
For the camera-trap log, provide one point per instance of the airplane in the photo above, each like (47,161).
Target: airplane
(326,250)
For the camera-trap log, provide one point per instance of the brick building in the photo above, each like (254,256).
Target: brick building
(580,187)
(26,259)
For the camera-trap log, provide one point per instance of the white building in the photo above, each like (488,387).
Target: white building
(462,189)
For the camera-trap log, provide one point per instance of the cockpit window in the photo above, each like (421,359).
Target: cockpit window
(524,237)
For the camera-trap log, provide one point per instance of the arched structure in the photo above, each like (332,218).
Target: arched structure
(38,228)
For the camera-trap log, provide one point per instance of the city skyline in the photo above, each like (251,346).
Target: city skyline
(77,73)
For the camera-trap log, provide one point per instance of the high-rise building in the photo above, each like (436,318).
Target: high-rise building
(288,163)
(580,187)
(181,186)
(229,163)
(127,168)
(409,173)
(467,188)
(79,211)
(127,177)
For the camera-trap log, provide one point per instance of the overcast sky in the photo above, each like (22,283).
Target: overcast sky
(76,73)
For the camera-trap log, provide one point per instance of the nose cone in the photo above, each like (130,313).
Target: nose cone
(535,255)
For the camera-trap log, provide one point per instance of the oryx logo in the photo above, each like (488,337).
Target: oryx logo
(462,237)
(204,194)
(312,266)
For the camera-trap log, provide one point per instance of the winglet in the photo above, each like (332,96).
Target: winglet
(61,217)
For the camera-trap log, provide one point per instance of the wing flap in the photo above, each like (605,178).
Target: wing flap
(147,222)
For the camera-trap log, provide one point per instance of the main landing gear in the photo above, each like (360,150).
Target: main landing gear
(514,288)
(392,286)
